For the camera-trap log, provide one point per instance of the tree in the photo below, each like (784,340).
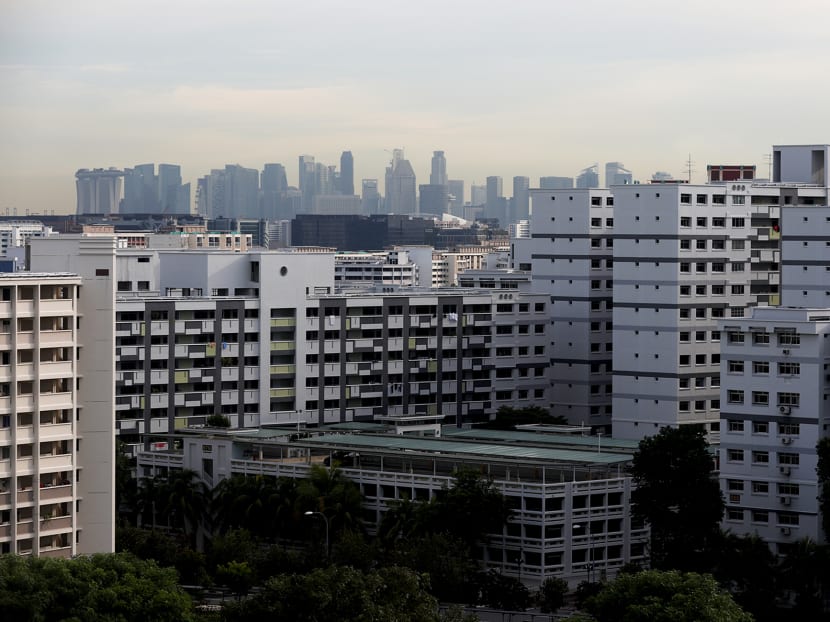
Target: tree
(218,420)
(186,500)
(747,569)
(679,497)
(805,571)
(238,576)
(114,586)
(656,596)
(327,490)
(823,473)
(501,592)
(551,595)
(339,594)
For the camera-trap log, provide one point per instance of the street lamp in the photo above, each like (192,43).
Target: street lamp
(590,567)
(326,521)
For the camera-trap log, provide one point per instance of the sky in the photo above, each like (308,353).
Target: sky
(534,87)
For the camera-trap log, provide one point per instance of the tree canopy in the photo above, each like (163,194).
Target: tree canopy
(656,596)
(115,586)
(678,495)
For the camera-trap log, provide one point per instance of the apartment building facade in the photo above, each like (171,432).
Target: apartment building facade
(571,250)
(775,376)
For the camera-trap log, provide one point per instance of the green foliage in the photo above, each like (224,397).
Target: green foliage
(507,418)
(165,551)
(262,505)
(678,495)
(326,490)
(746,568)
(805,572)
(339,594)
(655,596)
(551,595)
(218,421)
(501,592)
(823,473)
(238,576)
(98,588)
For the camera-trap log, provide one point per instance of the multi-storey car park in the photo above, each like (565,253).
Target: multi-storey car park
(570,497)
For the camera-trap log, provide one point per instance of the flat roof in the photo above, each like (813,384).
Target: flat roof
(441,446)
(544,438)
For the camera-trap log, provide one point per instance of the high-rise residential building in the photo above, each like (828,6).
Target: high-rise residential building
(616,174)
(455,188)
(556,183)
(588,177)
(438,174)
(400,186)
(520,203)
(495,206)
(70,371)
(98,190)
(232,192)
(174,196)
(433,199)
(571,254)
(307,181)
(774,410)
(346,179)
(369,197)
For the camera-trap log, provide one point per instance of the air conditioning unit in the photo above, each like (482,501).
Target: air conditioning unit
(785,500)
(784,410)
(786,440)
(785,470)
(785,351)
(785,531)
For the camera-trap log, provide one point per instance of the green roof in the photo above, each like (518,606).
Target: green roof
(543,438)
(517,452)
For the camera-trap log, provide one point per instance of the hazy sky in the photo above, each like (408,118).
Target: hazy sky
(521,88)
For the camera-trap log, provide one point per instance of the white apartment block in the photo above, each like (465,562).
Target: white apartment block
(93,481)
(263,338)
(775,396)
(382,267)
(16,234)
(571,504)
(571,252)
(805,254)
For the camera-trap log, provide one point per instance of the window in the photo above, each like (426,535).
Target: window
(789,399)
(715,335)
(789,339)
(738,223)
(760,367)
(685,290)
(738,200)
(718,290)
(718,266)
(787,518)
(789,369)
(700,222)
(735,396)
(700,313)
(735,367)
(788,459)
(734,514)
(789,429)
(685,221)
(684,359)
(700,336)
(700,359)
(760,516)
(686,198)
(718,222)
(685,245)
(760,488)
(760,427)
(760,398)
(760,339)
(789,489)
(736,337)
(700,199)
(684,336)
(737,289)
(125,286)
(735,485)
(685,267)
(700,267)
(683,407)
(735,426)
(735,455)
(718,245)
(685,314)
(738,245)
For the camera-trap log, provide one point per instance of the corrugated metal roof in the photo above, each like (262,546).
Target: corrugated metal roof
(519,436)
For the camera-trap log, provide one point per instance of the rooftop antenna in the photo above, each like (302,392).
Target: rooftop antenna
(689,169)
(768,160)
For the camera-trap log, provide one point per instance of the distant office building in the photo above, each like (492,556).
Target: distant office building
(438,175)
(98,190)
(556,183)
(478,195)
(346,178)
(232,192)
(400,186)
(336,204)
(140,190)
(662,176)
(355,232)
(617,175)
(521,199)
(495,206)
(588,177)
(370,197)
(174,196)
(433,199)
(456,195)
(273,184)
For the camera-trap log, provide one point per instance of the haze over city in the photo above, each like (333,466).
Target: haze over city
(532,89)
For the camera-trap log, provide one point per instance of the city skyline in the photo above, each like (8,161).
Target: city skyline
(565,87)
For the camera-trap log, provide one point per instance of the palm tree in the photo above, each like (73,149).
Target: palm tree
(149,499)
(326,490)
(186,501)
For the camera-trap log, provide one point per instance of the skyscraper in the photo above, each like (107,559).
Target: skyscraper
(438,175)
(370,197)
(98,190)
(272,183)
(456,195)
(588,177)
(346,185)
(173,196)
(556,183)
(400,186)
(521,199)
(616,174)
(495,207)
(433,199)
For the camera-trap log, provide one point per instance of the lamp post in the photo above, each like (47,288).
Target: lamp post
(326,521)
(590,567)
